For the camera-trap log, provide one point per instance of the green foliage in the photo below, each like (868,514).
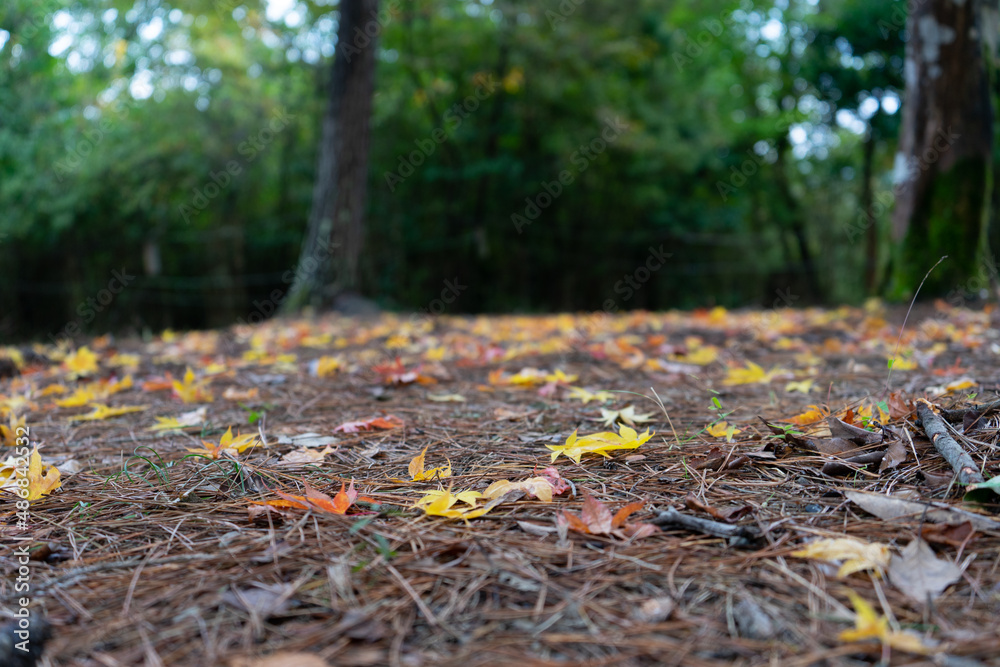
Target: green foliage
(199,181)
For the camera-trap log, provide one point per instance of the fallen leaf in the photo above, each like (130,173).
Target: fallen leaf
(722,429)
(889,508)
(869,625)
(752,374)
(920,574)
(191,390)
(227,444)
(101,411)
(596,519)
(626,415)
(585,396)
(316,500)
(192,418)
(418,474)
(599,443)
(80,363)
(953,534)
(446,398)
(234,394)
(855,554)
(373,424)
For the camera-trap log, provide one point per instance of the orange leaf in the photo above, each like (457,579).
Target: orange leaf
(623,514)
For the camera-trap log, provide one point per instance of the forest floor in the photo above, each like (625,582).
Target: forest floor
(836,535)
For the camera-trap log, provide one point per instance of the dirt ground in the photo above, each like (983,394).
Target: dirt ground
(147,553)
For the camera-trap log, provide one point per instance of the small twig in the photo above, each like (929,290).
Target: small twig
(957,458)
(671,516)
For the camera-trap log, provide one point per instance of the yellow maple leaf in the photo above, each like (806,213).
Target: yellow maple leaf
(326,366)
(586,396)
(9,434)
(539,487)
(82,396)
(857,555)
(869,625)
(226,445)
(559,377)
(80,363)
(53,389)
(626,415)
(470,498)
(752,374)
(813,414)
(722,429)
(192,418)
(191,390)
(42,479)
(599,443)
(101,411)
(804,386)
(417,472)
(441,504)
(129,361)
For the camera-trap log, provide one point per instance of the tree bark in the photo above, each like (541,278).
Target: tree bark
(328,265)
(945,147)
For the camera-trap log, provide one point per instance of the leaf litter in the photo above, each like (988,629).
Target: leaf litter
(297,512)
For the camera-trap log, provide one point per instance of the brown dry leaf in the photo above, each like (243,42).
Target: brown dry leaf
(894,455)
(920,574)
(952,534)
(889,508)
(596,519)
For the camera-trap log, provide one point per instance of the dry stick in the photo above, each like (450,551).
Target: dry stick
(670,516)
(957,458)
(959,414)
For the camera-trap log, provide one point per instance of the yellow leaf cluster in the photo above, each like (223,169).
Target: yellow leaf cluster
(599,443)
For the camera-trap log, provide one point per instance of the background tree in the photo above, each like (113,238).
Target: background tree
(945,146)
(328,267)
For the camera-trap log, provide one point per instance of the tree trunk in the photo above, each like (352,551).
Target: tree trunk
(945,148)
(328,266)
(867,205)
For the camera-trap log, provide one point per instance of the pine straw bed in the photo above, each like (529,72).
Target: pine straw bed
(160,565)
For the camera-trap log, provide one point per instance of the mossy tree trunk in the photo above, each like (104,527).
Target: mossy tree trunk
(328,265)
(945,148)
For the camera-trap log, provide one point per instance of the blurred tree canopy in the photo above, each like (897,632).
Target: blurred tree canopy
(523,156)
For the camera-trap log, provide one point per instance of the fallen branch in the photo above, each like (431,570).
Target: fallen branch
(957,458)
(672,517)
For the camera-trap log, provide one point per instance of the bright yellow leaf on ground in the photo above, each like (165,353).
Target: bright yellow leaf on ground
(539,487)
(190,390)
(9,433)
(80,363)
(101,411)
(440,503)
(814,414)
(626,415)
(722,430)
(599,443)
(855,554)
(559,377)
(804,386)
(326,366)
(227,444)
(41,479)
(752,374)
(417,472)
(192,418)
(869,625)
(82,396)
(586,396)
